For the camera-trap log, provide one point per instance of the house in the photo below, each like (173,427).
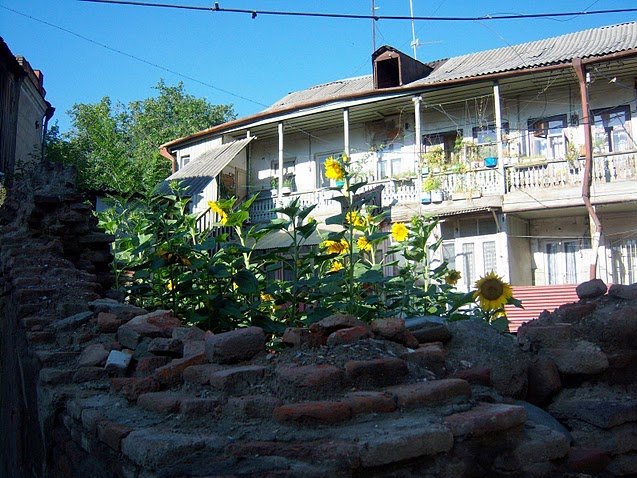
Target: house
(493,143)
(25,112)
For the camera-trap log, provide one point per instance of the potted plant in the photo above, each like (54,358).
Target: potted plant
(404,177)
(274,185)
(431,189)
(433,159)
(288,182)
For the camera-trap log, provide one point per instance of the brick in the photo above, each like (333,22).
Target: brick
(93,355)
(475,375)
(349,335)
(424,440)
(333,453)
(545,335)
(122,311)
(394,329)
(585,358)
(591,289)
(188,333)
(118,362)
(311,413)
(146,366)
(40,337)
(620,291)
(310,379)
(335,322)
(252,406)
(485,419)
(133,387)
(235,346)
(591,461)
(429,394)
(47,358)
(430,356)
(200,374)
(370,402)
(89,374)
(376,373)
(156,450)
(236,380)
(73,321)
(108,322)
(575,311)
(166,347)
(160,402)
(429,332)
(155,324)
(112,433)
(194,347)
(172,373)
(198,407)
(544,381)
(297,336)
(55,376)
(90,418)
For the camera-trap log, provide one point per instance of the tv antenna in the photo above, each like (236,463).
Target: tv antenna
(415,42)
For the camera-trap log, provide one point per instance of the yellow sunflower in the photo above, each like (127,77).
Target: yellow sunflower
(265,297)
(364,244)
(399,232)
(492,292)
(355,218)
(170,285)
(336,266)
(452,277)
(336,247)
(223,215)
(334,169)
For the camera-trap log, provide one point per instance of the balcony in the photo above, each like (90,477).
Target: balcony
(541,176)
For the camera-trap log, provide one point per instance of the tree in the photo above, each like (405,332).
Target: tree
(116,148)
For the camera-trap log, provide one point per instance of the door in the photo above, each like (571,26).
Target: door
(561,262)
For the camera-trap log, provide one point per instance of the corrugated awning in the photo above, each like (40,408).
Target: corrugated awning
(281,239)
(198,173)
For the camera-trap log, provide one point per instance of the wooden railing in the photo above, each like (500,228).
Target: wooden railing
(608,168)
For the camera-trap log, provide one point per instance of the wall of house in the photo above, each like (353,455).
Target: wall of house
(618,249)
(520,259)
(196,148)
(31,109)
(560,230)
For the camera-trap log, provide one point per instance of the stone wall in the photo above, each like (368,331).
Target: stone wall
(94,387)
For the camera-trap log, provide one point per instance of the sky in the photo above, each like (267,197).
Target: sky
(88,50)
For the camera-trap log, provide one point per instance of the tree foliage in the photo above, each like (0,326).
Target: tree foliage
(115,147)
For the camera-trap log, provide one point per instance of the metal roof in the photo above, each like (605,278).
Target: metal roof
(199,172)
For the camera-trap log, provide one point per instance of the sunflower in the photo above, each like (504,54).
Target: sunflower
(364,244)
(452,277)
(336,247)
(265,297)
(355,218)
(492,292)
(334,169)
(336,266)
(170,286)
(399,232)
(223,215)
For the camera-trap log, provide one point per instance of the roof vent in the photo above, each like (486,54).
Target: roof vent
(394,68)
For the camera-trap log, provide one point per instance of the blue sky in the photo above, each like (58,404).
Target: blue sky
(257,60)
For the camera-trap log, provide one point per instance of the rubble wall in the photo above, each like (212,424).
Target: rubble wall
(95,387)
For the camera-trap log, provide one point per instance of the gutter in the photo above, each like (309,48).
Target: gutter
(407,90)
(48,114)
(173,161)
(580,70)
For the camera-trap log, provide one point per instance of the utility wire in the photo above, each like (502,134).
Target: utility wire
(351,16)
(134,57)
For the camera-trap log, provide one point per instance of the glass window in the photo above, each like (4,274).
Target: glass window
(468,261)
(449,254)
(383,172)
(611,128)
(322,180)
(623,256)
(546,137)
(487,134)
(551,263)
(488,257)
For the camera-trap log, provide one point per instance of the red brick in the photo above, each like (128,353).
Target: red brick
(376,373)
(591,461)
(347,336)
(112,433)
(89,374)
(335,322)
(370,402)
(309,413)
(235,346)
(430,356)
(237,379)
(40,337)
(146,366)
(200,374)
(252,406)
(160,402)
(198,407)
(428,394)
(297,336)
(133,387)
(108,322)
(575,311)
(311,378)
(172,373)
(485,418)
(55,376)
(475,375)
(339,454)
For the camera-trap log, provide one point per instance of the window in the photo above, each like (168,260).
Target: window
(488,256)
(185,159)
(477,227)
(486,135)
(447,140)
(623,255)
(546,137)
(561,262)
(611,128)
(468,259)
(387,168)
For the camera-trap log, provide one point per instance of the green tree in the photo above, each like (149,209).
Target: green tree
(115,148)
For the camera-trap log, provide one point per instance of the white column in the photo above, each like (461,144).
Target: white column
(280,160)
(417,132)
(346,131)
(498,135)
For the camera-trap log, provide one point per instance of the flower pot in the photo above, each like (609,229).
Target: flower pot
(436,196)
(339,183)
(425,197)
(491,161)
(286,190)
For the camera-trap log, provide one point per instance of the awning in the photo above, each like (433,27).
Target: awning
(281,239)
(199,172)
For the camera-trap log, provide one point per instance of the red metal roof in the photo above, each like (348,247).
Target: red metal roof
(536,299)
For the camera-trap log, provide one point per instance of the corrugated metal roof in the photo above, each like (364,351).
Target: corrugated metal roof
(535,299)
(198,173)
(550,51)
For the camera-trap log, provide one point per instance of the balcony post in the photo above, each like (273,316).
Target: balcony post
(417,132)
(346,131)
(279,192)
(498,135)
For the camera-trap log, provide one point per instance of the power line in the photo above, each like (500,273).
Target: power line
(353,16)
(134,57)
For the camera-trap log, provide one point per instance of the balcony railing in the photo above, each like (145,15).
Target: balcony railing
(541,174)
